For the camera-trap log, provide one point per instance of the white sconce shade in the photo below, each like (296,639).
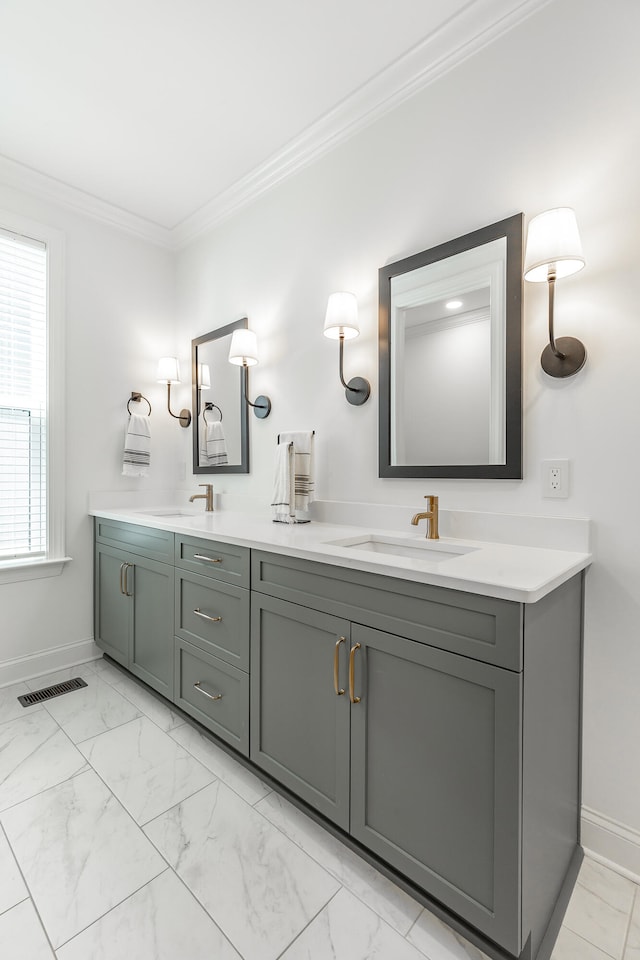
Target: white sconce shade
(244,348)
(204,376)
(553,242)
(341,318)
(168,370)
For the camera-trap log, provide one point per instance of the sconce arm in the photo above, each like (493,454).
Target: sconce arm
(551,280)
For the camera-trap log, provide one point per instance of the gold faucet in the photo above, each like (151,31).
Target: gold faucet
(208,496)
(431,515)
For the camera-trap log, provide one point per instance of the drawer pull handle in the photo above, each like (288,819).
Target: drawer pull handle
(122,566)
(336,667)
(126,579)
(201,556)
(210,696)
(352,678)
(206,616)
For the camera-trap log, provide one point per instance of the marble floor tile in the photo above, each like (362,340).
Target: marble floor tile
(632,950)
(159,711)
(147,770)
(162,921)
(86,713)
(34,755)
(80,853)
(600,906)
(258,886)
(22,936)
(10,707)
(83,670)
(436,939)
(569,946)
(245,783)
(12,887)
(347,930)
(395,906)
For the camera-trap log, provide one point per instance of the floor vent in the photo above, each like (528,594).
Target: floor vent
(28,699)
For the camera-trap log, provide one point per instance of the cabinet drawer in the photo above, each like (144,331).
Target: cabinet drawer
(214,616)
(214,692)
(146,541)
(483,628)
(209,558)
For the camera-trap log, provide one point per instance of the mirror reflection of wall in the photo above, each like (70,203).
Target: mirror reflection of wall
(220,436)
(447,360)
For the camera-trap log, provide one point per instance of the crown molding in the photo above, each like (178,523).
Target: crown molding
(478,24)
(454,41)
(48,188)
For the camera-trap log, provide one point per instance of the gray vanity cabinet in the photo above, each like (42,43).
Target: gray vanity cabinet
(134,601)
(435,783)
(299,706)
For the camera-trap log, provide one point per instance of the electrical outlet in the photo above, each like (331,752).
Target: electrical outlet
(555,478)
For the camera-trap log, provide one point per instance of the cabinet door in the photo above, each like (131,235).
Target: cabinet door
(151,585)
(112,609)
(299,724)
(435,782)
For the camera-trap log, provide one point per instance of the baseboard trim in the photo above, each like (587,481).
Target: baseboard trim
(611,843)
(46,661)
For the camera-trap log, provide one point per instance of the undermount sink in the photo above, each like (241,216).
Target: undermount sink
(168,512)
(433,551)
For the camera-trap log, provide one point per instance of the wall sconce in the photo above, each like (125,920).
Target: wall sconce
(168,372)
(244,353)
(554,251)
(341,323)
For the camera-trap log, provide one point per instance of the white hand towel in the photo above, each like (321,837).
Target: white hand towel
(304,487)
(137,447)
(284,485)
(213,449)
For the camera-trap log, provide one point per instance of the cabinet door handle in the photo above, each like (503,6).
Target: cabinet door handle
(352,678)
(126,579)
(206,616)
(336,667)
(211,696)
(122,566)
(201,556)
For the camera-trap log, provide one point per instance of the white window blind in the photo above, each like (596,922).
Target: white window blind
(23,397)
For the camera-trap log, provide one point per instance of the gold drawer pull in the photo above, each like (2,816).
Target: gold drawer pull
(352,678)
(336,667)
(206,616)
(211,696)
(201,556)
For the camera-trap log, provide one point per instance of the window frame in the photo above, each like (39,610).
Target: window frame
(52,564)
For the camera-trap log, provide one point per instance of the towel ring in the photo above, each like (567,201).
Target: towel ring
(137,397)
(211,406)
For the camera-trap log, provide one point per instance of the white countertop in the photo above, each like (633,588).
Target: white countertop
(511,572)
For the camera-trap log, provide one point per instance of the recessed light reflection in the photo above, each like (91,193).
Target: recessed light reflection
(453,304)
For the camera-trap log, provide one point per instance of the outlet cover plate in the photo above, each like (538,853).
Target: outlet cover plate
(555,479)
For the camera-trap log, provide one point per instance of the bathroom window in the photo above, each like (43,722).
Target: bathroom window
(31,400)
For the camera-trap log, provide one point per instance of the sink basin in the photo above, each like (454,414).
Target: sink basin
(168,512)
(432,551)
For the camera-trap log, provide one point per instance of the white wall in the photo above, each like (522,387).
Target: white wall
(546,116)
(119,320)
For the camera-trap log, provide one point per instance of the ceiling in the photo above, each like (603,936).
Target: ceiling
(167,115)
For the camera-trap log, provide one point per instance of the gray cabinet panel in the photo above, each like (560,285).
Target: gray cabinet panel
(213,616)
(151,652)
(146,541)
(435,782)
(480,627)
(213,692)
(300,727)
(112,610)
(210,558)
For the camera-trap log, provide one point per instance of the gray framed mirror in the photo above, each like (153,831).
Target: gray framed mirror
(220,412)
(450,352)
